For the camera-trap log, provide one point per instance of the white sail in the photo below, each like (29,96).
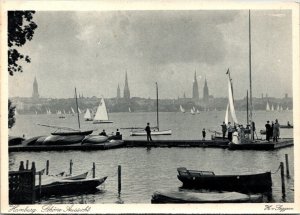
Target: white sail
(277,108)
(101,114)
(79,111)
(287,108)
(231,103)
(226,114)
(87,114)
(267,107)
(272,108)
(64,111)
(129,110)
(198,111)
(192,111)
(35,113)
(72,110)
(182,109)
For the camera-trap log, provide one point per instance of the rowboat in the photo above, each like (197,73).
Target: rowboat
(12,141)
(196,197)
(154,132)
(62,140)
(286,126)
(94,139)
(67,133)
(64,187)
(260,182)
(77,177)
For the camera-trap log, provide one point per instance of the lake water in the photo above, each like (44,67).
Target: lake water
(145,171)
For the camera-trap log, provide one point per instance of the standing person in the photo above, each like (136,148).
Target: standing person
(276,131)
(203,134)
(268,131)
(224,129)
(271,131)
(230,131)
(148,131)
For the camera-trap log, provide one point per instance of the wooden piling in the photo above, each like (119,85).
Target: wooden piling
(71,164)
(119,179)
(282,180)
(33,166)
(21,168)
(94,169)
(27,164)
(47,167)
(287,165)
(40,185)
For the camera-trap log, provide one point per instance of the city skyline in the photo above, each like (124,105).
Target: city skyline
(157,46)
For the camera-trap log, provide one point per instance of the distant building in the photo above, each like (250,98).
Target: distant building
(35,91)
(126,88)
(205,93)
(195,94)
(118,92)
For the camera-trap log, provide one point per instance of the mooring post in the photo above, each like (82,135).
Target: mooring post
(282,180)
(27,164)
(21,168)
(119,179)
(71,164)
(33,183)
(47,167)
(94,169)
(40,185)
(287,165)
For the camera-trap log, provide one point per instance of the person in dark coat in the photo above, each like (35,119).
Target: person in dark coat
(148,131)
(203,134)
(224,129)
(230,131)
(103,133)
(268,131)
(271,132)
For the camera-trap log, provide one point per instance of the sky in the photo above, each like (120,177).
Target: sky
(93,50)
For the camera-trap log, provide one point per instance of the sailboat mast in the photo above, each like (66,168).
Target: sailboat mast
(250,78)
(157,119)
(247,110)
(77,108)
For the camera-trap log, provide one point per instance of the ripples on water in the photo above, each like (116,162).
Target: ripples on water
(145,171)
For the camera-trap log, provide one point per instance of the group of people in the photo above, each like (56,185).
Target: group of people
(229,129)
(272,131)
(103,133)
(238,130)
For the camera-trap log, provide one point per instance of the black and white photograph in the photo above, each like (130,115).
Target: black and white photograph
(184,106)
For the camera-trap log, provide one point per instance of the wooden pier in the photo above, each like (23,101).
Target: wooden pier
(259,145)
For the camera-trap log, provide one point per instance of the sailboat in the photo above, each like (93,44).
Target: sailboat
(79,111)
(73,112)
(129,110)
(101,115)
(278,109)
(230,105)
(272,108)
(156,131)
(267,107)
(197,111)
(182,109)
(192,111)
(87,116)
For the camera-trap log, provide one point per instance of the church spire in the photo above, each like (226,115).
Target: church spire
(35,90)
(195,88)
(126,88)
(205,92)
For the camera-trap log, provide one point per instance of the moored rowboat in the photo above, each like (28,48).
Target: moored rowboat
(194,197)
(64,187)
(252,183)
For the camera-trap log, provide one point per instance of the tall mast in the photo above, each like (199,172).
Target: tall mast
(157,120)
(77,108)
(250,78)
(247,110)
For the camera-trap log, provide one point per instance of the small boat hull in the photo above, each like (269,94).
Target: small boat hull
(287,126)
(77,177)
(65,187)
(94,139)
(195,197)
(153,133)
(68,133)
(102,121)
(62,140)
(253,183)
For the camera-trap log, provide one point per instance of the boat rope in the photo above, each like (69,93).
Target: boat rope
(276,170)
